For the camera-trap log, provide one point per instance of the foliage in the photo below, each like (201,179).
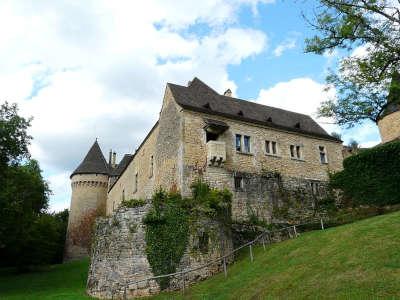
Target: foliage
(371,177)
(82,232)
(14,139)
(131,203)
(168,222)
(363,80)
(167,235)
(28,234)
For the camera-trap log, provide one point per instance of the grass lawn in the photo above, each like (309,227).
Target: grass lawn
(66,281)
(355,261)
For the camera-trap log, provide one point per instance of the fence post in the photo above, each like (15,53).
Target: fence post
(251,253)
(263,242)
(322,224)
(225,271)
(295,231)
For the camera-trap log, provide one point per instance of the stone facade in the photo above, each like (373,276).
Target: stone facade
(119,255)
(389,127)
(89,194)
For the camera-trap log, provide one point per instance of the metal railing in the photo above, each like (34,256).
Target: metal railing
(293,231)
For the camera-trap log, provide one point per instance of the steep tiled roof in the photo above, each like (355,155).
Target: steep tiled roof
(93,163)
(122,165)
(200,97)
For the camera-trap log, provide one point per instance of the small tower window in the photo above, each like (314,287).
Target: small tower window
(135,187)
(151,166)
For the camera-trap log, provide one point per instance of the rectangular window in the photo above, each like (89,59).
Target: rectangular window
(238,183)
(151,166)
(246,140)
(238,142)
(322,155)
(271,147)
(267,147)
(292,151)
(123,195)
(295,152)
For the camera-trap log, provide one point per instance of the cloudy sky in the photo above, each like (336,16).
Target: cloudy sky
(87,69)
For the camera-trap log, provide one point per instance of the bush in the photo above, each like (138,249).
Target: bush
(133,203)
(371,177)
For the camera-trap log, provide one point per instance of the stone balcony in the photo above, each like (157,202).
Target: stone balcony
(216,153)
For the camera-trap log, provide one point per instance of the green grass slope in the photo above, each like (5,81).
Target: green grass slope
(355,261)
(66,281)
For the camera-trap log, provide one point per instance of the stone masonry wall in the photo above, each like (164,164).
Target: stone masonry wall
(119,255)
(164,144)
(140,165)
(389,127)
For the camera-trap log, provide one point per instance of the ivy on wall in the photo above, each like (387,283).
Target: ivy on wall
(371,177)
(168,224)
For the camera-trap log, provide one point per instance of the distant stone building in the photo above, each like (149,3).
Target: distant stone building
(251,149)
(389,122)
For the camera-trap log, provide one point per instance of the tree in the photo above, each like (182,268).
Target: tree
(29,235)
(362,81)
(14,139)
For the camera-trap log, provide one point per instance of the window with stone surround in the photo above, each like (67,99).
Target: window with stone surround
(322,155)
(238,183)
(246,142)
(271,148)
(295,152)
(242,143)
(238,142)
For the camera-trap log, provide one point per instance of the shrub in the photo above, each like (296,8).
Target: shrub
(133,203)
(371,177)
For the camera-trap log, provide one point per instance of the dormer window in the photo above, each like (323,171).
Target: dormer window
(240,113)
(207,105)
(297,125)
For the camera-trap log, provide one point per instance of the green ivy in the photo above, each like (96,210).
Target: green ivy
(371,177)
(168,224)
(133,203)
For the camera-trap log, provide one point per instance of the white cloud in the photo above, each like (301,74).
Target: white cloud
(304,95)
(98,68)
(285,45)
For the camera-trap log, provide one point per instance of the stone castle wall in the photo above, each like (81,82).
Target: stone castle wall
(88,200)
(119,255)
(389,127)
(164,144)
(140,165)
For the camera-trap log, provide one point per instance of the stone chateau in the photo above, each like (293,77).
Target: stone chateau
(229,142)
(272,160)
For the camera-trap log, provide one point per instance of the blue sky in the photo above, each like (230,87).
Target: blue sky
(99,68)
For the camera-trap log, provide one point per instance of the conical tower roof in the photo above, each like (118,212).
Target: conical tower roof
(93,163)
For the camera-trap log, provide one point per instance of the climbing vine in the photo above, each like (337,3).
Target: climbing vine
(168,223)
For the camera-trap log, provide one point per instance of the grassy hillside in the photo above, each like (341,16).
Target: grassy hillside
(67,281)
(356,261)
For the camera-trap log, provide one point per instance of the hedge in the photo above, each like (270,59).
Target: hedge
(371,177)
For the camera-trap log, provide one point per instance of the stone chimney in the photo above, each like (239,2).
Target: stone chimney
(114,158)
(109,157)
(228,93)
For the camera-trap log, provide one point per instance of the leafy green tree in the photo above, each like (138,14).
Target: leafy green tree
(363,81)
(29,235)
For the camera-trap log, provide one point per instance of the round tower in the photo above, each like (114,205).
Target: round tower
(389,123)
(89,183)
